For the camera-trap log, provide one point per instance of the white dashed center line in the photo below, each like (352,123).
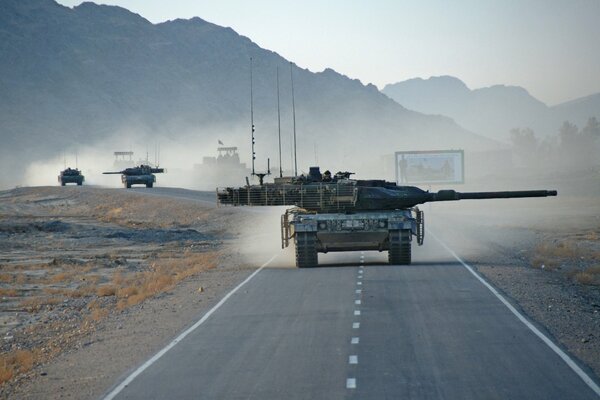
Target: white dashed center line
(357,302)
(358,291)
(355,325)
(350,383)
(356,312)
(354,340)
(353,360)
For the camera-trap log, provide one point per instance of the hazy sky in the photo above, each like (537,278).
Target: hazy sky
(550,47)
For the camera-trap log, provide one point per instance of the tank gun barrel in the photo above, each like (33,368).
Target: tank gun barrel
(113,173)
(445,195)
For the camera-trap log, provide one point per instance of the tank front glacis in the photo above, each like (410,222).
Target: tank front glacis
(70,176)
(129,180)
(351,232)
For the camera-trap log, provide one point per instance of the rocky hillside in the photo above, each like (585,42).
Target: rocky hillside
(91,75)
(490,111)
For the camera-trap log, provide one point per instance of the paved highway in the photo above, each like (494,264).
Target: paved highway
(358,329)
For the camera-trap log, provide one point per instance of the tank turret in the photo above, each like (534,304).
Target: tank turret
(337,213)
(141,175)
(326,193)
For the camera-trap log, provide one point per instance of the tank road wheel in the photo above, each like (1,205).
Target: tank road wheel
(399,253)
(127,185)
(62,184)
(306,249)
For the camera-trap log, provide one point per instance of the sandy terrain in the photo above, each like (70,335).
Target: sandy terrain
(94,281)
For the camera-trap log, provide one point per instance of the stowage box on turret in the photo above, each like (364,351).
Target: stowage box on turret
(142,175)
(70,175)
(336,213)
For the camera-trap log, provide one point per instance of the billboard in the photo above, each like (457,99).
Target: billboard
(430,167)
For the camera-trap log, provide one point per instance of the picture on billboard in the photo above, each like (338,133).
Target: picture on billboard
(429,167)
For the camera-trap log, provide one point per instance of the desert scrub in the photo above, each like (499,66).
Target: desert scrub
(589,276)
(164,273)
(551,255)
(15,362)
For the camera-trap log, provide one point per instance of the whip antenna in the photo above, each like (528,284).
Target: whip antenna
(294,119)
(279,125)
(252,116)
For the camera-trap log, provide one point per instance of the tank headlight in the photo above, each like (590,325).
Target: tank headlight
(322,225)
(382,224)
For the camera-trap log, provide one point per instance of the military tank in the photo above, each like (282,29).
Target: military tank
(70,175)
(337,213)
(141,175)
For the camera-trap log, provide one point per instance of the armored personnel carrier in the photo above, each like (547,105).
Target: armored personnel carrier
(142,175)
(337,213)
(70,175)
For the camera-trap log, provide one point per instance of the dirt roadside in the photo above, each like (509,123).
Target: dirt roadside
(94,281)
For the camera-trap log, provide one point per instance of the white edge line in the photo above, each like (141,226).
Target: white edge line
(179,338)
(568,360)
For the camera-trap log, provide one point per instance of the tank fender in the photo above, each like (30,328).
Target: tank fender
(402,224)
(305,226)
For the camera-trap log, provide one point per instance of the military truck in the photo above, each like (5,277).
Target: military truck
(337,213)
(70,175)
(142,175)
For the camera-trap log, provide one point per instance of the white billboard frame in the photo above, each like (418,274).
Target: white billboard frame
(457,157)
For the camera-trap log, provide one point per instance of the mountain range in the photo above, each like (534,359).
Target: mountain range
(491,111)
(99,76)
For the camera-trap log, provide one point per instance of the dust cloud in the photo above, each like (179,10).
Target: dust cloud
(260,238)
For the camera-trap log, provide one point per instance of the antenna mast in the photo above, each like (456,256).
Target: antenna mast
(279,125)
(294,117)
(252,116)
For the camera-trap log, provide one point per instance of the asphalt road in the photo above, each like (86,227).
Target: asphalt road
(358,329)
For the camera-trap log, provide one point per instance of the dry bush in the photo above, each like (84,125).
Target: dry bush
(546,263)
(15,362)
(92,279)
(118,279)
(98,314)
(551,255)
(53,291)
(163,275)
(79,292)
(106,290)
(595,270)
(34,304)
(592,235)
(61,277)
(21,278)
(584,278)
(559,250)
(127,291)
(6,292)
(7,278)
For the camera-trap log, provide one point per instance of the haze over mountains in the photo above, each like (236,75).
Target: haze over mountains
(100,77)
(491,111)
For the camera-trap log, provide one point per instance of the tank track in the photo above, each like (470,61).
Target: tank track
(306,249)
(400,250)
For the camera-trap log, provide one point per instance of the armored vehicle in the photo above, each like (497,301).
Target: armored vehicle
(70,175)
(337,213)
(142,175)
